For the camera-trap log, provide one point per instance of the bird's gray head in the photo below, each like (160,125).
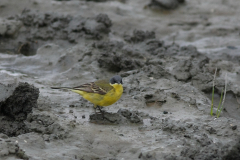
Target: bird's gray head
(116,79)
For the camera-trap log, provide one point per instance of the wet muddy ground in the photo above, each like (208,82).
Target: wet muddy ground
(166,52)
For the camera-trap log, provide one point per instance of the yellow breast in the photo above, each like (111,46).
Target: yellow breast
(112,96)
(103,100)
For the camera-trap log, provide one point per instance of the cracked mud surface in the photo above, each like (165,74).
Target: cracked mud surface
(166,52)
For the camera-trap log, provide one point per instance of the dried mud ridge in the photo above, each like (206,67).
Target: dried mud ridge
(144,61)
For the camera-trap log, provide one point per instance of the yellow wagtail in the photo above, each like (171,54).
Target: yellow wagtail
(101,93)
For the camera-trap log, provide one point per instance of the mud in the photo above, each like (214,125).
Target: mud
(166,52)
(163,4)
(20,103)
(9,147)
(123,116)
(20,100)
(37,27)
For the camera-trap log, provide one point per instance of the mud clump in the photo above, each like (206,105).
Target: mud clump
(123,116)
(47,26)
(21,102)
(8,28)
(153,96)
(190,133)
(139,36)
(181,70)
(104,19)
(156,71)
(166,4)
(110,46)
(16,115)
(9,146)
(187,69)
(15,108)
(45,124)
(234,153)
(113,57)
(154,46)
(132,116)
(116,63)
(26,32)
(147,156)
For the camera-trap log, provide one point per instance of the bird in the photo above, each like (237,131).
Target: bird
(101,93)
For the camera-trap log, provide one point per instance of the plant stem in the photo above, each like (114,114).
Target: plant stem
(225,91)
(211,112)
(220,102)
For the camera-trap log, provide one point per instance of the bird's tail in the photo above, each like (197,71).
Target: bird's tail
(61,88)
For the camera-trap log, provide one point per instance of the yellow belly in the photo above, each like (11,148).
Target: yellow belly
(103,100)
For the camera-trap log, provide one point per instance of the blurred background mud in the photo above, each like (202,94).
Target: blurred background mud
(165,50)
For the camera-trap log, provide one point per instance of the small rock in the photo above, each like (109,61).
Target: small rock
(165,112)
(234,127)
(83,116)
(187,136)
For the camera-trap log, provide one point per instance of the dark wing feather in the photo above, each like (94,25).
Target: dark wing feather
(100,87)
(85,87)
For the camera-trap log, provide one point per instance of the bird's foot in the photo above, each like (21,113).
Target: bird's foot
(102,111)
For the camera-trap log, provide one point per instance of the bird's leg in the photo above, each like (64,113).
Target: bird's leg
(95,109)
(101,111)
